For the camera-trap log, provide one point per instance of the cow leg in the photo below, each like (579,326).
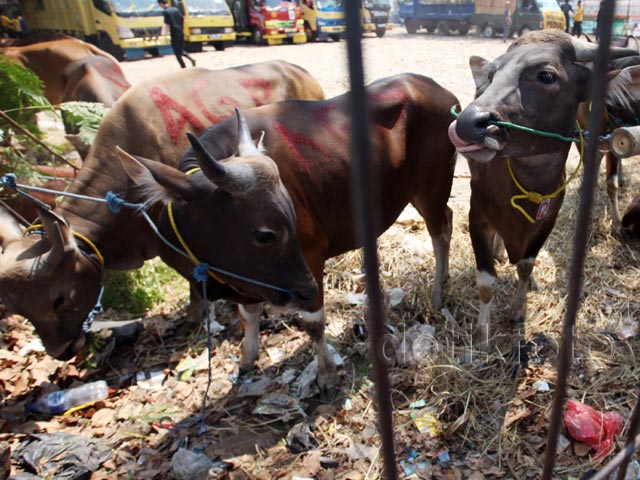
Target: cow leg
(250,317)
(612,168)
(439,223)
(195,308)
(519,309)
(499,252)
(314,323)
(482,241)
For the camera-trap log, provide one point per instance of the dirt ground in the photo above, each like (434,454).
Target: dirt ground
(485,418)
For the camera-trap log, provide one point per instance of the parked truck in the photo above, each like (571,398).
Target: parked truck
(323,19)
(375,16)
(486,15)
(269,22)
(206,21)
(120,27)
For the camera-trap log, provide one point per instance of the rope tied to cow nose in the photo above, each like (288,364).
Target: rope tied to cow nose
(522,128)
(115,204)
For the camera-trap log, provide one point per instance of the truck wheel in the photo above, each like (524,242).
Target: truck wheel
(463,30)
(311,35)
(411,26)
(524,30)
(105,44)
(193,47)
(431,27)
(335,37)
(442,29)
(219,46)
(380,32)
(256,37)
(489,31)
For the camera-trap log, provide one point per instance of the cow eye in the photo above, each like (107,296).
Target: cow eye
(264,237)
(58,302)
(546,77)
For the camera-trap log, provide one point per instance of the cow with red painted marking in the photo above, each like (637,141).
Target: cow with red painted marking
(411,157)
(72,70)
(54,280)
(517,177)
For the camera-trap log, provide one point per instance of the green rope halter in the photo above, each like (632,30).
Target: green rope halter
(557,136)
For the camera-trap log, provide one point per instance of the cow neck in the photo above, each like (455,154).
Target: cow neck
(123,239)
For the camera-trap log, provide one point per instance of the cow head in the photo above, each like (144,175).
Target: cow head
(48,280)
(538,83)
(234,214)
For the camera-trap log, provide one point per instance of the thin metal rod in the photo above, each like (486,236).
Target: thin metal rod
(622,455)
(634,429)
(580,240)
(365,204)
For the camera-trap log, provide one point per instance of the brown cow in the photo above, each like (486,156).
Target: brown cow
(149,120)
(538,83)
(631,218)
(72,70)
(411,157)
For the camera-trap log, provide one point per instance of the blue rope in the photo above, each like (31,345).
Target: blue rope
(201,272)
(115,204)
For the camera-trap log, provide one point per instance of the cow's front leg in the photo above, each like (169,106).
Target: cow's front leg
(519,308)
(441,246)
(613,165)
(195,309)
(314,323)
(482,237)
(250,317)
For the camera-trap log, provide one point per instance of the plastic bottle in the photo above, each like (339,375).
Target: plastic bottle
(63,400)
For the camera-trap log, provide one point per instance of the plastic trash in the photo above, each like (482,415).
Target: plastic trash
(62,455)
(63,400)
(594,428)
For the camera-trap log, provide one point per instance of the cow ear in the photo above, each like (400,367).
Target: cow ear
(156,182)
(624,88)
(480,69)
(9,228)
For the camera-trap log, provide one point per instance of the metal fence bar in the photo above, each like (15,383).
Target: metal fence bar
(365,204)
(580,241)
(622,456)
(634,429)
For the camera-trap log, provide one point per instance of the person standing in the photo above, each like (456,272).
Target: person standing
(599,21)
(174,21)
(506,21)
(577,19)
(566,8)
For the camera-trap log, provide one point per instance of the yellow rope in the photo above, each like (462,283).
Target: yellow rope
(536,197)
(184,245)
(75,234)
(192,171)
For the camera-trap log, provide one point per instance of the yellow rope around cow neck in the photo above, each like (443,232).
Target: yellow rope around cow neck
(181,240)
(536,197)
(75,234)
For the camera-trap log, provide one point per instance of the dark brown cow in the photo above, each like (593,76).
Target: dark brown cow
(72,70)
(631,218)
(149,120)
(412,159)
(538,83)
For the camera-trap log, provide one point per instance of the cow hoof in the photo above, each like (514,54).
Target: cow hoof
(437,300)
(248,369)
(329,387)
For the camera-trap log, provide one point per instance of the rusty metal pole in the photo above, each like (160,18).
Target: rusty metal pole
(365,203)
(580,240)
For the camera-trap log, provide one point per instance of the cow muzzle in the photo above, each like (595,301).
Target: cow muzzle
(475,136)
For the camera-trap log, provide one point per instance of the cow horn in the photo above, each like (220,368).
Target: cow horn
(586,52)
(60,236)
(246,146)
(232,178)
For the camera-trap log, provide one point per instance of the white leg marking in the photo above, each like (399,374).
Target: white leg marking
(486,284)
(327,373)
(250,315)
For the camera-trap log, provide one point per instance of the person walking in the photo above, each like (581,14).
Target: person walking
(174,21)
(599,21)
(566,8)
(506,21)
(577,19)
